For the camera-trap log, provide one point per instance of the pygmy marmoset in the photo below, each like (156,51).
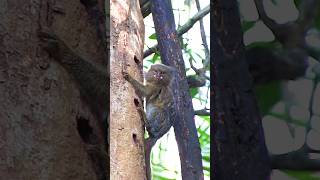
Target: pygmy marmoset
(160,106)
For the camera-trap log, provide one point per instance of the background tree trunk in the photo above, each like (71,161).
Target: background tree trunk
(126,126)
(43,121)
(239,150)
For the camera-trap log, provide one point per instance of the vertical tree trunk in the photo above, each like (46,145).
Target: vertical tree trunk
(239,150)
(43,120)
(184,125)
(126,126)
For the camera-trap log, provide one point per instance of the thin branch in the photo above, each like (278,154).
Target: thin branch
(314,151)
(264,17)
(145,7)
(293,163)
(150,51)
(295,160)
(183,29)
(194,68)
(196,81)
(207,98)
(308,124)
(188,25)
(202,112)
(289,122)
(204,39)
(199,79)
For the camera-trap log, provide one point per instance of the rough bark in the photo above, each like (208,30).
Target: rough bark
(126,126)
(184,125)
(43,120)
(239,150)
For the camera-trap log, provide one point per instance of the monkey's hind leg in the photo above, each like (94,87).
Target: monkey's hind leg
(55,46)
(149,143)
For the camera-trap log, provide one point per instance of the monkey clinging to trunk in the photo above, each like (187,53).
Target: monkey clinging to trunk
(160,111)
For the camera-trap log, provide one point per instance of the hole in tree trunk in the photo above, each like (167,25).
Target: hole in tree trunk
(136,102)
(134,137)
(84,129)
(136,60)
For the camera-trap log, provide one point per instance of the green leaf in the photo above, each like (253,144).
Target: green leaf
(268,95)
(246,25)
(153,36)
(155,57)
(194,92)
(184,45)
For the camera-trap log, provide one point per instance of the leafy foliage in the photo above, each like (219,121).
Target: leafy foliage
(246,25)
(302,175)
(153,36)
(268,95)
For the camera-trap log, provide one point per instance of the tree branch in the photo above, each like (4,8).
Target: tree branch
(291,34)
(204,39)
(264,17)
(295,160)
(310,108)
(184,28)
(196,81)
(145,7)
(267,65)
(188,25)
(202,112)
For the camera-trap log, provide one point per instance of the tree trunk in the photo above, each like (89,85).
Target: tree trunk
(44,124)
(126,126)
(184,125)
(239,150)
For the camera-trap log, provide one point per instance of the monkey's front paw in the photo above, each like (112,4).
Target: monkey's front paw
(46,34)
(49,41)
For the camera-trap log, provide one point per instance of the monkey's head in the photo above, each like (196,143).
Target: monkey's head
(160,74)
